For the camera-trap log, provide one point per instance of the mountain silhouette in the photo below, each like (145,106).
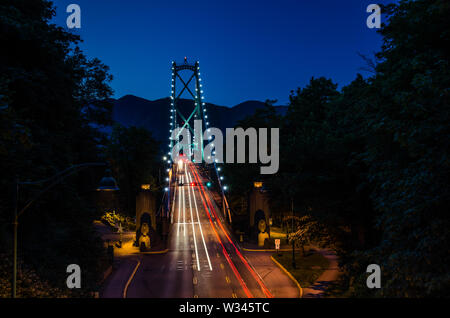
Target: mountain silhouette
(154,115)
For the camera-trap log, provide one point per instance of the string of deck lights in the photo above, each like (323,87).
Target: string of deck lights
(199,98)
(171,124)
(205,119)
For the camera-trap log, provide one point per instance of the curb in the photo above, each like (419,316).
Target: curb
(156,252)
(267,250)
(290,276)
(124,295)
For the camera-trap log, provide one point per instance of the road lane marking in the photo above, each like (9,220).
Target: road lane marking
(172,212)
(179,211)
(224,252)
(194,280)
(234,295)
(200,225)
(184,208)
(264,289)
(222,266)
(227,279)
(125,290)
(192,219)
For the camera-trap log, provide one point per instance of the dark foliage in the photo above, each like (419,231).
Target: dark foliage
(371,162)
(52,99)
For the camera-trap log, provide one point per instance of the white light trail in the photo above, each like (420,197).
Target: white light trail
(192,222)
(200,224)
(184,207)
(173,205)
(179,208)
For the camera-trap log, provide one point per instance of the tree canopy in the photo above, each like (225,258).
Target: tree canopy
(371,161)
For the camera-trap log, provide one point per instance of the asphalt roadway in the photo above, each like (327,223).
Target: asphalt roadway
(203,259)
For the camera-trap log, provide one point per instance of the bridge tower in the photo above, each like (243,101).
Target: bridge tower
(191,85)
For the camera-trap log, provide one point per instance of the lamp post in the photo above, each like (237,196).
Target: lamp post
(293,241)
(53,181)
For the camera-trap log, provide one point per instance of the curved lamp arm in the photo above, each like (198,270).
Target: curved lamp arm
(56,179)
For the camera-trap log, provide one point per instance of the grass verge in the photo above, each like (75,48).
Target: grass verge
(308,267)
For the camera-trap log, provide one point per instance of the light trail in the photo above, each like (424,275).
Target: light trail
(264,289)
(225,253)
(200,224)
(179,209)
(173,203)
(192,221)
(184,206)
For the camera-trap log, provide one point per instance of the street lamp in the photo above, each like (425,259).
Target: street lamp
(106,184)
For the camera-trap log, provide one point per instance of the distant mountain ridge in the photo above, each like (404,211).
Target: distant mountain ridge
(131,110)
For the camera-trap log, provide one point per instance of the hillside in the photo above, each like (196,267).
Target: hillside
(130,110)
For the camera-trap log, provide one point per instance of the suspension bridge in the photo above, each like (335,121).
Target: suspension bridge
(203,259)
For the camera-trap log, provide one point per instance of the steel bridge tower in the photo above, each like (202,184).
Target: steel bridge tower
(192,85)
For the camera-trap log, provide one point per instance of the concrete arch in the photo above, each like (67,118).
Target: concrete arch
(259,215)
(258,202)
(146,218)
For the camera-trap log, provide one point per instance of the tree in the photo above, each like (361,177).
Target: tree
(52,101)
(133,154)
(408,151)
(306,231)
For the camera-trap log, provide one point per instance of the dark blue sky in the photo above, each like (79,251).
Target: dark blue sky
(248,49)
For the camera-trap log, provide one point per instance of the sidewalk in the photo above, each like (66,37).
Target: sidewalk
(116,282)
(260,258)
(125,260)
(253,247)
(317,290)
(279,284)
